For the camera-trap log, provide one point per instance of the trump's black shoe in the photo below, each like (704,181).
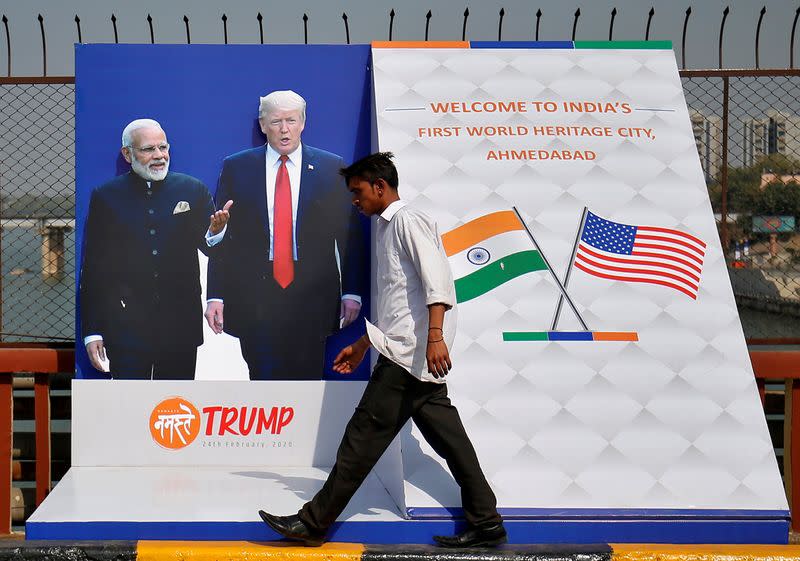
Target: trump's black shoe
(489,536)
(293,528)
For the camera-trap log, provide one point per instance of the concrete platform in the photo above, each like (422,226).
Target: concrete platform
(281,551)
(221,503)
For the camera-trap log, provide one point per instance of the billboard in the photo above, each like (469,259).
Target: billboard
(141,246)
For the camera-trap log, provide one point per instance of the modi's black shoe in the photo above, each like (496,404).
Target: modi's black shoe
(490,536)
(293,528)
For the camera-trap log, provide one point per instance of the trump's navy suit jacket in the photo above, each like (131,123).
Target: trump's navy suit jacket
(140,278)
(240,272)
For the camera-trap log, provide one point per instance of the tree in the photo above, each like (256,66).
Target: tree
(744,187)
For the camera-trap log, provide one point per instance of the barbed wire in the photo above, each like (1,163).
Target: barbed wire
(429,16)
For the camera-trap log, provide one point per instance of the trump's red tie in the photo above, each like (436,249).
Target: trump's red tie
(282,261)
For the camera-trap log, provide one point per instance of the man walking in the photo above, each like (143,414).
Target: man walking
(416,327)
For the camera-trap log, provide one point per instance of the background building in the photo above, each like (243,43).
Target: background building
(708,137)
(778,132)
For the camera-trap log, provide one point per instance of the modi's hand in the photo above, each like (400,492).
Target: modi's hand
(97,354)
(214,316)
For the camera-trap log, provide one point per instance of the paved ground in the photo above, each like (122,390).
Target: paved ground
(20,550)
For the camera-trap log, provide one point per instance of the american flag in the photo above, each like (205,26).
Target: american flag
(648,254)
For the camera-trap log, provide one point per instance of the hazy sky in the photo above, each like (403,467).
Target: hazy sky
(368,20)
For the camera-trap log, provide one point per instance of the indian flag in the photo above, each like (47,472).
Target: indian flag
(489,251)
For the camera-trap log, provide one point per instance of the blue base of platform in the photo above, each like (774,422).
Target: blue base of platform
(663,530)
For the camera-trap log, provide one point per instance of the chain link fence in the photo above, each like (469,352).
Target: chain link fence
(37,212)
(752,174)
(753,178)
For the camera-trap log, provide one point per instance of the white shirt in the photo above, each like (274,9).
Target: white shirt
(412,273)
(293,165)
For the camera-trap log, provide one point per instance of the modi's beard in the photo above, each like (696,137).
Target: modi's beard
(148,174)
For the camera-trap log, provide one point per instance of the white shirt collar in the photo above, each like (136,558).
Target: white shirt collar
(389,212)
(273,155)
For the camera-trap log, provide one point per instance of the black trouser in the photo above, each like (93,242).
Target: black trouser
(286,354)
(169,363)
(391,398)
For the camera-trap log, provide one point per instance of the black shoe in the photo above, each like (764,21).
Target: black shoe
(293,528)
(490,536)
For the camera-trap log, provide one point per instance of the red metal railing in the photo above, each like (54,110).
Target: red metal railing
(785,366)
(42,362)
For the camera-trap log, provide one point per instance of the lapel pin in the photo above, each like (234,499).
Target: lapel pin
(310,166)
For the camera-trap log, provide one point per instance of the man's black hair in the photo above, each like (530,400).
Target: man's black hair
(373,167)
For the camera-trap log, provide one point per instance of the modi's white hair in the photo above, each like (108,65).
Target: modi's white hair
(286,100)
(128,131)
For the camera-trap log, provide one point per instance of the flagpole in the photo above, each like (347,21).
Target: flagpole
(549,268)
(569,268)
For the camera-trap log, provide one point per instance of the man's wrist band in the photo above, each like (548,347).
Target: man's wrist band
(437,328)
(436,341)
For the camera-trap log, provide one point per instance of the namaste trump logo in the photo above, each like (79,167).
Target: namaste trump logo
(174,423)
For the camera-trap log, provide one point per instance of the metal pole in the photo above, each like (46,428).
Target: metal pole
(569,268)
(758,31)
(611,25)
(725,13)
(186,23)
(791,42)
(575,23)
(44,46)
(650,15)
(114,23)
(724,176)
(549,268)
(150,24)
(8,44)
(683,39)
(428,23)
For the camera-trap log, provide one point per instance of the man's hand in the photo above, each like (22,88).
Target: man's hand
(214,315)
(437,355)
(349,311)
(218,220)
(436,352)
(351,356)
(97,354)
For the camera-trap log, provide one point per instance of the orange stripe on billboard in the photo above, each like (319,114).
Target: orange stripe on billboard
(472,232)
(420,44)
(615,336)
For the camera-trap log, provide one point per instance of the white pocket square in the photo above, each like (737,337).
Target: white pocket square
(182,206)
